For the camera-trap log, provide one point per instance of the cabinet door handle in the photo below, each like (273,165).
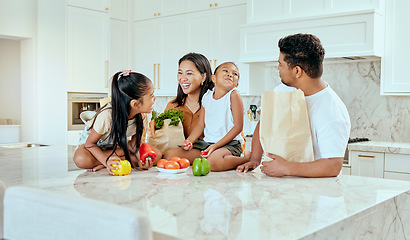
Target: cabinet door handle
(366,156)
(215,63)
(159,14)
(155,14)
(158,75)
(216,4)
(154,74)
(106,74)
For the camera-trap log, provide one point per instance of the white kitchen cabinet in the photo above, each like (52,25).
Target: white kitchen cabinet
(367,164)
(146,9)
(119,49)
(98,5)
(345,171)
(200,5)
(342,35)
(395,81)
(88,50)
(159,45)
(119,9)
(215,34)
(397,166)
(267,10)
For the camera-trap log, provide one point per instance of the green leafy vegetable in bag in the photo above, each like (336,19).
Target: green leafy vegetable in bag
(173,114)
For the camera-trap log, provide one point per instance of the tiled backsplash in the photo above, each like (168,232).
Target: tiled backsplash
(379,118)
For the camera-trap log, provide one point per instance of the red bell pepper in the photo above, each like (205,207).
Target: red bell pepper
(147,152)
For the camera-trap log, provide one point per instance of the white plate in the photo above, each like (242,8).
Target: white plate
(163,170)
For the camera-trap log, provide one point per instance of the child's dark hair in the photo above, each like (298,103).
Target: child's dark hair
(305,51)
(203,66)
(216,69)
(124,88)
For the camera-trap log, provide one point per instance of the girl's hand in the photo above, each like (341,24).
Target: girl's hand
(147,165)
(208,151)
(112,164)
(187,145)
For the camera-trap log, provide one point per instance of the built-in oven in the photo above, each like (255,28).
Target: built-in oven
(80,102)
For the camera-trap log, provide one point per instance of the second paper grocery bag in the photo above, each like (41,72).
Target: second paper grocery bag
(285,127)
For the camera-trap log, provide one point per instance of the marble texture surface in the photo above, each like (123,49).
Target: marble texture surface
(381,146)
(226,205)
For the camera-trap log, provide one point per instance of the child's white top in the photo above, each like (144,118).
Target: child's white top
(218,117)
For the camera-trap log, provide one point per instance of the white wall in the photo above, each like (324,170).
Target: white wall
(18,18)
(52,95)
(10,96)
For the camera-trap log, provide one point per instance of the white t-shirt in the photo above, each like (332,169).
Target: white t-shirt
(329,122)
(218,117)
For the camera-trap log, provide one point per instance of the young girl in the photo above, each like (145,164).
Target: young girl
(132,95)
(221,121)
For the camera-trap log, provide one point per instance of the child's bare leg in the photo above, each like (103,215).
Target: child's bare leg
(222,160)
(84,159)
(179,152)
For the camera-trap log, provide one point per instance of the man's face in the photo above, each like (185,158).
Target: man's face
(285,71)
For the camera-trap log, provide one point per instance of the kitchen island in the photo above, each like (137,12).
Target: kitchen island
(226,205)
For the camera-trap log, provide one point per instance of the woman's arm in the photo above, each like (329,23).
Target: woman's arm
(198,129)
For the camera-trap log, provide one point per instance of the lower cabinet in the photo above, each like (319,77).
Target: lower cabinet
(380,165)
(367,164)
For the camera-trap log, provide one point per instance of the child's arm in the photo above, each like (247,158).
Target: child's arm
(237,114)
(197,130)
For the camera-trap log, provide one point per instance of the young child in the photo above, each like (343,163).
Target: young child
(221,121)
(132,95)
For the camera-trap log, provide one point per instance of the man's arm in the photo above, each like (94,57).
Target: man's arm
(325,167)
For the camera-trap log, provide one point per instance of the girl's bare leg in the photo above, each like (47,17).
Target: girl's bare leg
(84,159)
(222,160)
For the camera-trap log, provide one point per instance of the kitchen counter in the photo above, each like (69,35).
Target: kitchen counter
(226,205)
(380,146)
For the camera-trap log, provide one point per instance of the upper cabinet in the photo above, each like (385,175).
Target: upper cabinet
(144,9)
(200,5)
(158,48)
(394,80)
(88,50)
(98,5)
(119,9)
(267,10)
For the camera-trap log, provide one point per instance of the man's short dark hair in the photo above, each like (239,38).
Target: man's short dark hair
(305,51)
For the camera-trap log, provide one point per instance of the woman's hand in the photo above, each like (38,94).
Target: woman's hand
(147,165)
(112,164)
(187,145)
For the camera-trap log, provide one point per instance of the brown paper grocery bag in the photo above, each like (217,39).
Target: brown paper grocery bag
(167,137)
(284,126)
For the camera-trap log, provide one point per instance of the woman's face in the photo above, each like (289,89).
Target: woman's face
(189,77)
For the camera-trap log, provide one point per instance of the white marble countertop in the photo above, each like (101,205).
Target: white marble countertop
(226,205)
(380,146)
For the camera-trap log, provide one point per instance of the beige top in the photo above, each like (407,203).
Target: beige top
(103,123)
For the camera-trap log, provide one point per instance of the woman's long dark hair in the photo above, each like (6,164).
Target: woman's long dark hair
(123,90)
(203,66)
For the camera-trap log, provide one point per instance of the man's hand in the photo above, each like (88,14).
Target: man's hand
(247,166)
(278,167)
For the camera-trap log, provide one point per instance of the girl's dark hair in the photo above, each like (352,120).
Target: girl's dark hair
(123,90)
(226,63)
(305,51)
(203,66)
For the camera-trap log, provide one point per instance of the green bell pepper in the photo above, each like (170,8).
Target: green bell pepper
(200,167)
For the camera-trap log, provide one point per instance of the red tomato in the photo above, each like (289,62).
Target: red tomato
(184,163)
(175,159)
(161,163)
(172,165)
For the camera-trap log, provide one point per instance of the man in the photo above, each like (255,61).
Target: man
(301,67)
